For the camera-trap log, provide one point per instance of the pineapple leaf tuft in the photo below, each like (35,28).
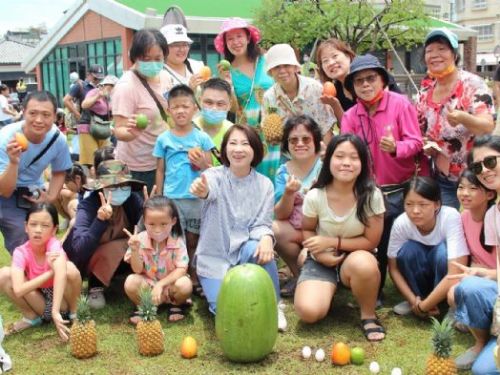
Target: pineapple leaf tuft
(83,314)
(147,309)
(442,337)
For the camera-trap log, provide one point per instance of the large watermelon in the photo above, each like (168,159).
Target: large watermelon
(246,322)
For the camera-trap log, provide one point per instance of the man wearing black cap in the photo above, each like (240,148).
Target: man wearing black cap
(79,90)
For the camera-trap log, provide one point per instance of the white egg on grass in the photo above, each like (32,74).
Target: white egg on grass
(320,355)
(374,367)
(306,352)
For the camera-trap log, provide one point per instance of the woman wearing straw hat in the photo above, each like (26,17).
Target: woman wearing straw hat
(453,107)
(181,69)
(238,42)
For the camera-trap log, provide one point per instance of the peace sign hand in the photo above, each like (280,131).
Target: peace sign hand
(199,187)
(105,212)
(148,195)
(133,239)
(293,184)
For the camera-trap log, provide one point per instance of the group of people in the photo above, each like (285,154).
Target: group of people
(362,182)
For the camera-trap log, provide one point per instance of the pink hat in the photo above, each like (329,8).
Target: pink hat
(232,24)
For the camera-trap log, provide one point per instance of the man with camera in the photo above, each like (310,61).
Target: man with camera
(27,148)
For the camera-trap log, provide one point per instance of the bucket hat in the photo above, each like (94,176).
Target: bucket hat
(113,173)
(109,80)
(364,62)
(280,54)
(232,24)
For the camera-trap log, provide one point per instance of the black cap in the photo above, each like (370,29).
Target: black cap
(97,71)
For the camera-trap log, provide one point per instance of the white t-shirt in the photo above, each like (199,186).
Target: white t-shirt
(4,103)
(491,231)
(448,228)
(178,79)
(329,224)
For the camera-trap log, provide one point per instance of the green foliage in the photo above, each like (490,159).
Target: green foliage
(358,23)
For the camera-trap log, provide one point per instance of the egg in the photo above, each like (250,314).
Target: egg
(306,352)
(374,367)
(320,355)
(396,371)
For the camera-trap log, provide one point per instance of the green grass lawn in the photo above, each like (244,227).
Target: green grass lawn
(39,350)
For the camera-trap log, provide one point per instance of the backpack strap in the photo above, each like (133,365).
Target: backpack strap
(45,149)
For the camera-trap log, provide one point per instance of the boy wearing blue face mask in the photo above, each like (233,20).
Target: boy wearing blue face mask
(182,153)
(215,103)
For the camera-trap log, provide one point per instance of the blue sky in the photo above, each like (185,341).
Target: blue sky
(15,14)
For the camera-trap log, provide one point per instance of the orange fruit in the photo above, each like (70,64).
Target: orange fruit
(189,347)
(341,354)
(22,141)
(329,89)
(195,152)
(205,73)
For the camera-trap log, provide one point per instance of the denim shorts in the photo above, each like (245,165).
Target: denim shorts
(312,270)
(189,214)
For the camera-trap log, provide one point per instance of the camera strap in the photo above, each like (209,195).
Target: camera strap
(45,149)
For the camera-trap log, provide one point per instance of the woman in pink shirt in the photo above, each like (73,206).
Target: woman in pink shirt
(41,281)
(387,123)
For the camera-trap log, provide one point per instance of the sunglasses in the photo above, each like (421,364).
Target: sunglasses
(489,162)
(296,140)
(370,79)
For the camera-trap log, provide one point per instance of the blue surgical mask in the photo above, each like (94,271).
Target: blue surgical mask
(213,116)
(120,195)
(149,69)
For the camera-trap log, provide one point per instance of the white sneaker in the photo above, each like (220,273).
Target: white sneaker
(282,323)
(402,308)
(96,298)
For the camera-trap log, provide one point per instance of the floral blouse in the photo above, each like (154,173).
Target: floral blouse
(158,263)
(472,95)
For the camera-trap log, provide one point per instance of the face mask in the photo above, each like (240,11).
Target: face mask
(161,236)
(149,69)
(213,116)
(119,196)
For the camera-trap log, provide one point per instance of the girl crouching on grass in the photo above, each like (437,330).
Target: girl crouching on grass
(41,282)
(159,259)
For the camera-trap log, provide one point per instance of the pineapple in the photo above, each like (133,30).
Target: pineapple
(148,331)
(272,127)
(83,337)
(440,363)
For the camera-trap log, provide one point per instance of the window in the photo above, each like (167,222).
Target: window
(485,32)
(479,4)
(460,6)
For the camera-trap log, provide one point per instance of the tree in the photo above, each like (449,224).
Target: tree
(362,24)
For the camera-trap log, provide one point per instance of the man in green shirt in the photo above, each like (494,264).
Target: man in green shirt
(215,103)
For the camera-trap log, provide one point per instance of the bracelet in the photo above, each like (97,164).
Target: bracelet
(420,309)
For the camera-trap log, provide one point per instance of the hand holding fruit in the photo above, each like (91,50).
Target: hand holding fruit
(199,187)
(223,68)
(197,159)
(14,150)
(195,81)
(292,184)
(141,121)
(205,73)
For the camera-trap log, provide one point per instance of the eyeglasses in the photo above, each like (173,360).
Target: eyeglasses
(489,162)
(296,140)
(370,79)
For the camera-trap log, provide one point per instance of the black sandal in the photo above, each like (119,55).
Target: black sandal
(198,291)
(368,331)
(176,310)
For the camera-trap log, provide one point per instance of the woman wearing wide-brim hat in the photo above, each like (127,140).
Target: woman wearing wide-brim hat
(97,243)
(238,42)
(453,107)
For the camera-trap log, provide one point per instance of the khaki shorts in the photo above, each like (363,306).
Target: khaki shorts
(189,214)
(88,145)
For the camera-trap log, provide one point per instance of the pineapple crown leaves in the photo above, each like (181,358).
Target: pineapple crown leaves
(83,313)
(442,336)
(271,110)
(147,309)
